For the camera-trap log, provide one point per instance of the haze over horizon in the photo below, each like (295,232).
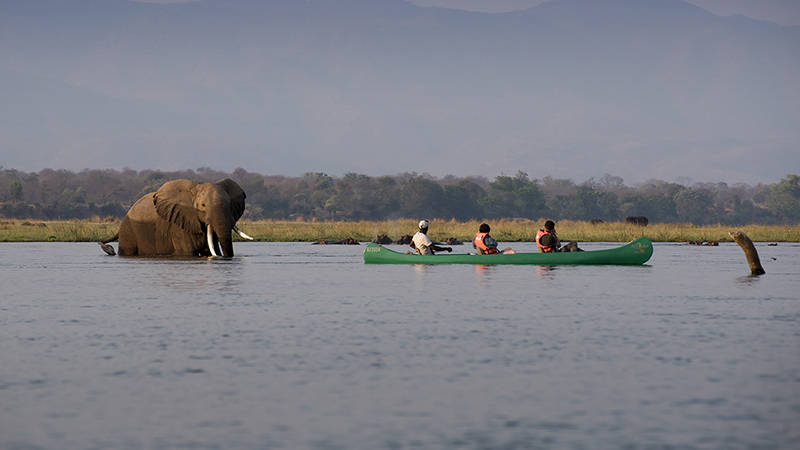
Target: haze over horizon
(783,12)
(569,88)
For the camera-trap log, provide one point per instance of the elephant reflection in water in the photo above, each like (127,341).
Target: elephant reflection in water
(182,218)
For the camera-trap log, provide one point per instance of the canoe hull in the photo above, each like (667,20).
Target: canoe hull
(634,253)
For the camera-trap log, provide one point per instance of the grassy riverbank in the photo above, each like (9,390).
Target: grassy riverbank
(56,231)
(502,230)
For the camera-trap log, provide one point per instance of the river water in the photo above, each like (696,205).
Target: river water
(299,346)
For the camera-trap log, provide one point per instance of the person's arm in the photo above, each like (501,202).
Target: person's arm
(438,248)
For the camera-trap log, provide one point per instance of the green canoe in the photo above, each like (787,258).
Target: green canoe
(634,253)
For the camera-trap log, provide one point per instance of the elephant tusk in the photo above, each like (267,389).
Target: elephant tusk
(241,233)
(210,240)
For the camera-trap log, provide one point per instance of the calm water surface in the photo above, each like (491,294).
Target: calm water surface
(301,346)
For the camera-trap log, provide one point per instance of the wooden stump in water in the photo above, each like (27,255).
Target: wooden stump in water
(749,252)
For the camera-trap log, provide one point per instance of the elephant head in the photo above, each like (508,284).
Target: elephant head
(210,209)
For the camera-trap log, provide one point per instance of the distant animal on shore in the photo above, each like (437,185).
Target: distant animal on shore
(182,218)
(637,220)
(596,221)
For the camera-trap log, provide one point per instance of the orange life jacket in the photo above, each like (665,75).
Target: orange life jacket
(483,249)
(543,248)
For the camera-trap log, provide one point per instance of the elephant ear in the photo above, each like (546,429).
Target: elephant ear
(236,195)
(174,202)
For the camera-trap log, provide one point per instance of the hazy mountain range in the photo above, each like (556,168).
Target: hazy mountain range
(570,88)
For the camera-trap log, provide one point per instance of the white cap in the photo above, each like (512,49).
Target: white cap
(423,224)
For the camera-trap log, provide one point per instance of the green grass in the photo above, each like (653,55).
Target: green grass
(503,230)
(56,231)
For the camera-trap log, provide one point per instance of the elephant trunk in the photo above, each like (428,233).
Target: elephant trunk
(226,243)
(222,231)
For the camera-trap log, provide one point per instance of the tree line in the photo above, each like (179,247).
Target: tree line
(60,194)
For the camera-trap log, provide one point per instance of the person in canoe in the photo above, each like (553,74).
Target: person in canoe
(423,244)
(486,244)
(548,242)
(547,239)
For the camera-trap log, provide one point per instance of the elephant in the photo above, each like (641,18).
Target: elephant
(182,218)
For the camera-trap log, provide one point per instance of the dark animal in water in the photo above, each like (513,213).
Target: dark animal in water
(404,240)
(453,241)
(637,220)
(382,239)
(571,247)
(345,241)
(706,243)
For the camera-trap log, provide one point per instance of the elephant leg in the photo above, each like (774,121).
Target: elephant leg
(183,246)
(145,242)
(127,239)
(175,241)
(169,239)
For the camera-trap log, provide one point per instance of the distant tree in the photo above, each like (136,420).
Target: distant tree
(516,196)
(555,187)
(694,206)
(589,203)
(31,191)
(353,197)
(386,198)
(734,205)
(608,183)
(461,200)
(13,184)
(783,199)
(744,212)
(421,197)
(657,208)
(61,194)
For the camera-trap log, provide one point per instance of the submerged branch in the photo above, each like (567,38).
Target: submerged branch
(749,251)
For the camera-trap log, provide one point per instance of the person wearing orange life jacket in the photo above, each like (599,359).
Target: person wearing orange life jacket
(487,245)
(483,243)
(546,239)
